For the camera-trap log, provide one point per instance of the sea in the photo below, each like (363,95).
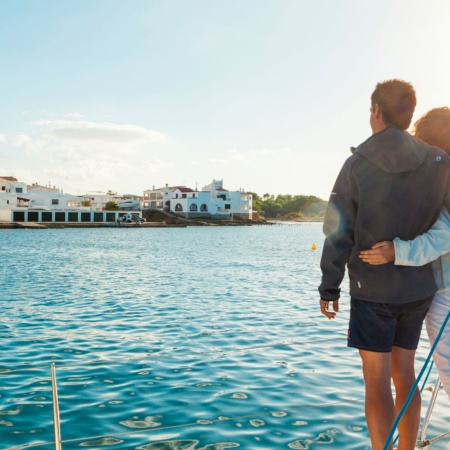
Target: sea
(197,338)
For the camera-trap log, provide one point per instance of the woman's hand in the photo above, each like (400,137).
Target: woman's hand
(381,253)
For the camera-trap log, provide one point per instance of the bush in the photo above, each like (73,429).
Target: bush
(111,206)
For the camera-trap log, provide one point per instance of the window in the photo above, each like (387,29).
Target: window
(204,207)
(183,195)
(193,207)
(110,217)
(193,195)
(227,206)
(55,201)
(3,188)
(178,207)
(176,195)
(85,216)
(19,190)
(98,217)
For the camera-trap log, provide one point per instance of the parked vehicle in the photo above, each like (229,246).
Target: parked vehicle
(130,218)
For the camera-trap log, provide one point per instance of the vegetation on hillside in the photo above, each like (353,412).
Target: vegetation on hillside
(289,206)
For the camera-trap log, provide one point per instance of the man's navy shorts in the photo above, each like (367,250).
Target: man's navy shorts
(377,327)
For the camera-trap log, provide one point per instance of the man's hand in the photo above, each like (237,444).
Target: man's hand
(381,253)
(324,308)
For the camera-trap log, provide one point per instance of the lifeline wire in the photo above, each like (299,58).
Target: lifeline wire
(413,389)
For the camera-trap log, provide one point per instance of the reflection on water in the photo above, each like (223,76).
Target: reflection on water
(201,338)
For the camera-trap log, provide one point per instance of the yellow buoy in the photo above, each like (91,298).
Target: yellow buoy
(313,247)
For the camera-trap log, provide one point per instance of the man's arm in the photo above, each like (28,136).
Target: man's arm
(417,252)
(339,230)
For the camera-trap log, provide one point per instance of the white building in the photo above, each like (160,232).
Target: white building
(4,181)
(35,187)
(18,204)
(212,201)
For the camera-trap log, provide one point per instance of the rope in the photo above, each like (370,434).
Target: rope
(430,410)
(413,389)
(430,441)
(421,390)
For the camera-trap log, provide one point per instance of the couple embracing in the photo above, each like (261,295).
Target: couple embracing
(386,221)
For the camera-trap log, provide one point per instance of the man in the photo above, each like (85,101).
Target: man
(394,185)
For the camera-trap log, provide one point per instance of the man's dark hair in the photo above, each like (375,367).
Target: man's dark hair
(397,101)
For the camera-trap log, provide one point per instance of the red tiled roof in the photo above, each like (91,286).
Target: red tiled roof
(9,178)
(222,189)
(184,189)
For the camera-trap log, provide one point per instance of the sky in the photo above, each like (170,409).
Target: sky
(266,95)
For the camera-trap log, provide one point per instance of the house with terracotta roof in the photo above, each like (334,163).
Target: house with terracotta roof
(213,201)
(4,181)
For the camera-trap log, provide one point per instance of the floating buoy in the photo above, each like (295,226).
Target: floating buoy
(313,247)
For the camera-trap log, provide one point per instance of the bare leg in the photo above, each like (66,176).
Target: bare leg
(404,377)
(380,410)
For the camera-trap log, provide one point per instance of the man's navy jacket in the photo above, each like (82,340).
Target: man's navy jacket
(394,185)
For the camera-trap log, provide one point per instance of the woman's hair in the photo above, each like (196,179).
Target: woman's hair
(434,128)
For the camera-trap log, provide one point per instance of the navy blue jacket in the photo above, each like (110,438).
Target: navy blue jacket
(394,185)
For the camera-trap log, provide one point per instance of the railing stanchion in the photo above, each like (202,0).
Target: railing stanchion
(56,420)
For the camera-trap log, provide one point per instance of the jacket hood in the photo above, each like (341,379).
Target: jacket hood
(393,151)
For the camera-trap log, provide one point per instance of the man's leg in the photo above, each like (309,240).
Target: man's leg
(404,377)
(380,410)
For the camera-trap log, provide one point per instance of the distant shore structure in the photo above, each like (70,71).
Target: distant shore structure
(213,201)
(46,204)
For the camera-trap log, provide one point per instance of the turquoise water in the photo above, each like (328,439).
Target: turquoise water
(191,338)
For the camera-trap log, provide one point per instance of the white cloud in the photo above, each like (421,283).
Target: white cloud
(74,116)
(80,155)
(2,139)
(83,132)
(194,163)
(262,151)
(235,154)
(265,151)
(21,140)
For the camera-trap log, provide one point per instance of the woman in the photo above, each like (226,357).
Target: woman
(433,246)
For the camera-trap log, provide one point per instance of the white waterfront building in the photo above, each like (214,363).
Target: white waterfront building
(212,201)
(20,203)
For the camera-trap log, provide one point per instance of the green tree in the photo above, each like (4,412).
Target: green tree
(111,206)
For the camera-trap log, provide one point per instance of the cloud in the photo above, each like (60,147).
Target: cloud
(265,151)
(235,154)
(2,139)
(74,116)
(21,140)
(218,161)
(262,151)
(84,132)
(82,155)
